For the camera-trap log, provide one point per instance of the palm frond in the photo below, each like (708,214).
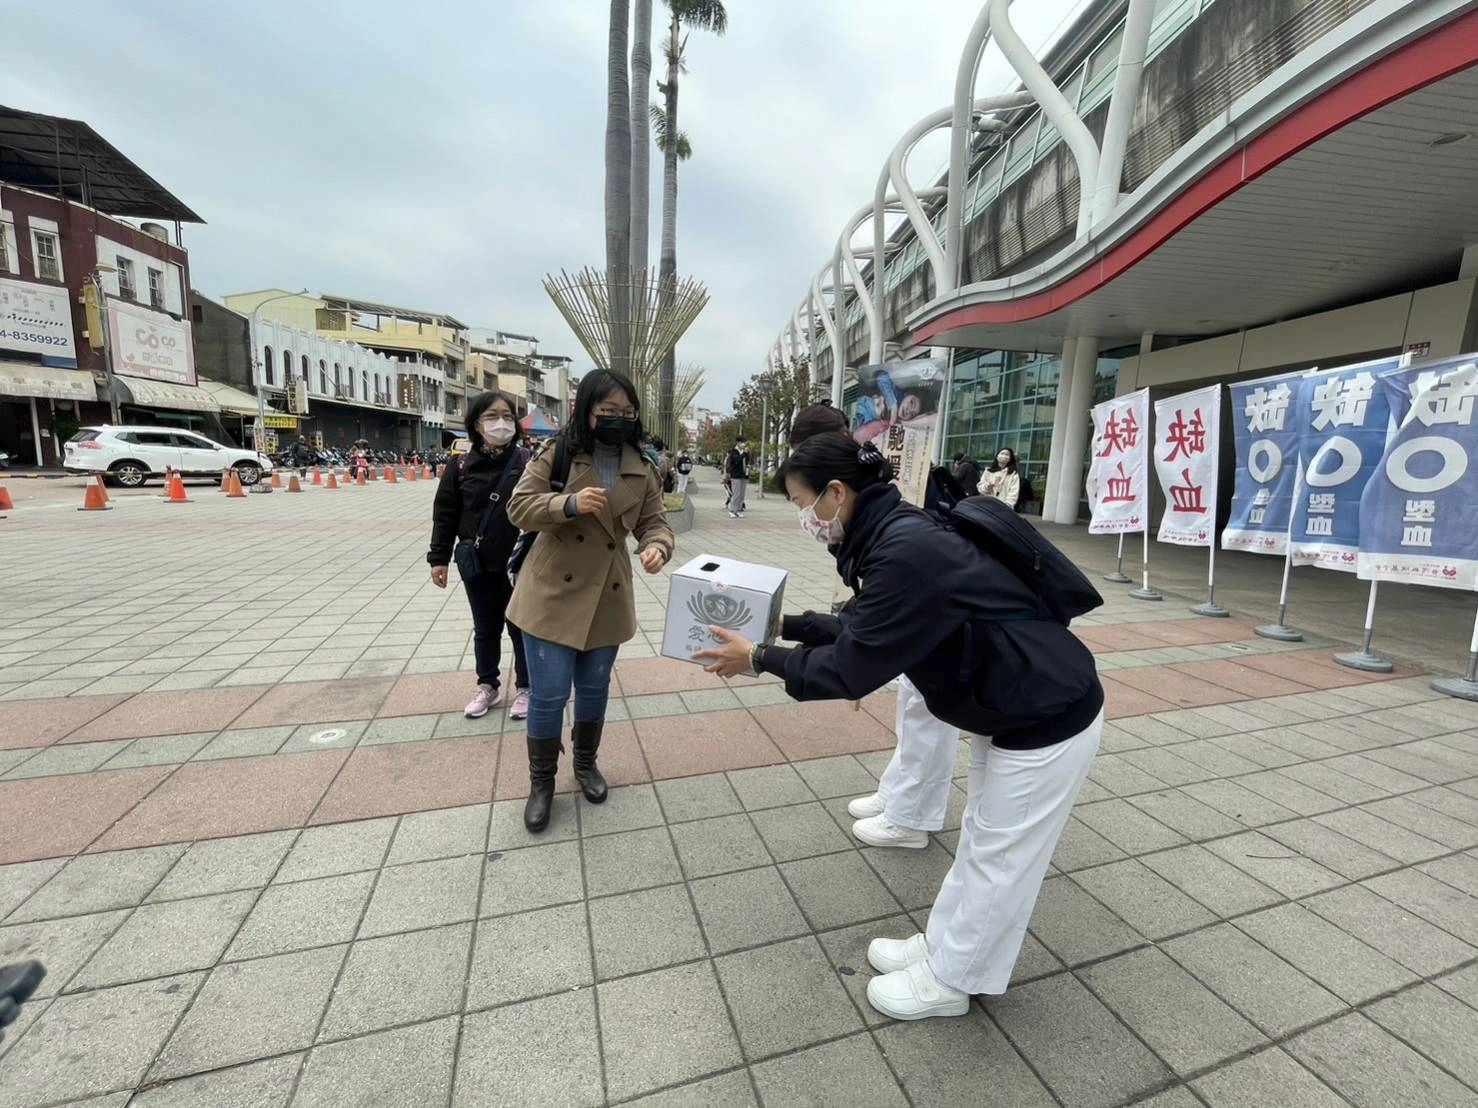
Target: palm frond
(701,15)
(659,133)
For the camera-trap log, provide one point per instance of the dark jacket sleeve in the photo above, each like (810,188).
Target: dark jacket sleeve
(446,516)
(902,614)
(810,629)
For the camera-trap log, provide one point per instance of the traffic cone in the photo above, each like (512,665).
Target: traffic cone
(103,486)
(276,480)
(95,499)
(293,485)
(333,481)
(426,473)
(317,475)
(234,489)
(390,475)
(175,490)
(410,473)
(226,479)
(6,504)
(360,479)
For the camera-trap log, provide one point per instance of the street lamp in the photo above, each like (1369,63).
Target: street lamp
(766,387)
(96,277)
(261,428)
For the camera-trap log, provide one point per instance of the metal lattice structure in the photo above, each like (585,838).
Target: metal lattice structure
(659,316)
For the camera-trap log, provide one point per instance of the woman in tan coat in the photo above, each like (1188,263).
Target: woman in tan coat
(573,599)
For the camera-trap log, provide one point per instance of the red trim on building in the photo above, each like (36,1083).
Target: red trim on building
(1440,53)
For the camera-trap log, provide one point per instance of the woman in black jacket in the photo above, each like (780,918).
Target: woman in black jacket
(988,658)
(463,509)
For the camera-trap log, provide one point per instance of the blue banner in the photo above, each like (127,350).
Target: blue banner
(1265,420)
(1344,420)
(1419,513)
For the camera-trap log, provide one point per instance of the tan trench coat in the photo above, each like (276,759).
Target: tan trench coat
(575,585)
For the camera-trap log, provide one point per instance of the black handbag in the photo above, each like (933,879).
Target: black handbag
(468,552)
(559,474)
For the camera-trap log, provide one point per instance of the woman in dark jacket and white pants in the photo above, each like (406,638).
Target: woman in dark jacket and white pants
(989,659)
(492,466)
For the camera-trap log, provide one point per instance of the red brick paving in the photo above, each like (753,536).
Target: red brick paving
(822,730)
(47,817)
(1123,700)
(317,702)
(43,722)
(683,746)
(209,800)
(1318,669)
(1247,683)
(170,713)
(621,763)
(411,777)
(424,693)
(1182,690)
(645,676)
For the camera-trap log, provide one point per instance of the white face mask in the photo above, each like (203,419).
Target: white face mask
(497,432)
(827,531)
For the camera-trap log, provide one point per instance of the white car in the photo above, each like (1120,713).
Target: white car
(131,455)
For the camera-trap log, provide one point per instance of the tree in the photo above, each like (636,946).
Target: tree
(659,134)
(792,390)
(618,187)
(685,17)
(641,150)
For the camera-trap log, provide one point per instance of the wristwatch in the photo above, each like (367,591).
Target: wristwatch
(757,659)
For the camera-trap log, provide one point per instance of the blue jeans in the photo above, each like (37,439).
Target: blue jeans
(552,670)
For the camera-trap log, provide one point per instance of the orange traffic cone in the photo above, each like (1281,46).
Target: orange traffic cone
(102,485)
(333,480)
(317,475)
(390,475)
(410,473)
(175,490)
(293,485)
(95,499)
(360,479)
(426,473)
(6,504)
(276,480)
(226,479)
(234,488)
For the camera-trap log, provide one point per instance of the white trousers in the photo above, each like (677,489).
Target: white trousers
(915,786)
(1020,801)
(682,482)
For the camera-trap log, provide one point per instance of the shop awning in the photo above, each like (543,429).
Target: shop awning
(28,379)
(537,423)
(230,399)
(159,394)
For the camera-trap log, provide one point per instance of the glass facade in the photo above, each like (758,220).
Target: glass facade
(1000,398)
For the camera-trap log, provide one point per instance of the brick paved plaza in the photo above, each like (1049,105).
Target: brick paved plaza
(268,862)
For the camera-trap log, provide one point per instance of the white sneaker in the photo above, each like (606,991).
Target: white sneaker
(733,515)
(865,807)
(892,955)
(877,831)
(915,994)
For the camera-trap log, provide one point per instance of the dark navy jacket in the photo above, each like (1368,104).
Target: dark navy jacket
(965,630)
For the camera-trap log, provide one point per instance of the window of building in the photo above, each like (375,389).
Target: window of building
(126,286)
(338,381)
(322,376)
(364,382)
(46,249)
(267,365)
(7,235)
(306,368)
(156,288)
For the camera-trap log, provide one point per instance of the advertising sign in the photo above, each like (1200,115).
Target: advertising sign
(1344,419)
(150,344)
(1265,426)
(37,319)
(898,412)
(1118,475)
(1187,438)
(1418,515)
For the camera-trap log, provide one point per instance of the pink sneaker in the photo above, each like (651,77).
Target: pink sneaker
(487,697)
(520,708)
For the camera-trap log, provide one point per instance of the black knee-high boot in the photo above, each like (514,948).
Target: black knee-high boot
(543,765)
(587,774)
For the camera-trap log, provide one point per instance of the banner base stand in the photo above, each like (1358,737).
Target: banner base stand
(1458,687)
(1145,594)
(1364,661)
(1278,632)
(1118,578)
(1215,611)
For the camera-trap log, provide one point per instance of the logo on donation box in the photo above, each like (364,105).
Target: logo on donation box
(716,609)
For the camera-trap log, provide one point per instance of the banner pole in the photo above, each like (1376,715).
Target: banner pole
(1464,688)
(1363,659)
(1119,577)
(1280,631)
(1146,593)
(1211,607)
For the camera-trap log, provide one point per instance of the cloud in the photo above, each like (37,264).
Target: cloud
(448,159)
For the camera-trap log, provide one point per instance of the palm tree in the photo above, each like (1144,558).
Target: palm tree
(659,134)
(618,187)
(685,16)
(641,152)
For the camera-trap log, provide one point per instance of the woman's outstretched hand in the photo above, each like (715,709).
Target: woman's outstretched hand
(729,660)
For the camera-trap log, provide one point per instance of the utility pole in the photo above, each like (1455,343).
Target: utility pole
(766,386)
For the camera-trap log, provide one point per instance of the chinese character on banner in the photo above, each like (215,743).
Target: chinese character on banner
(1186,457)
(1266,409)
(1321,525)
(1419,511)
(1341,402)
(1321,503)
(1118,472)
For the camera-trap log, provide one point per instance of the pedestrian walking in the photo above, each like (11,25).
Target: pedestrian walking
(989,656)
(967,473)
(302,456)
(574,599)
(684,471)
(469,522)
(737,471)
(912,797)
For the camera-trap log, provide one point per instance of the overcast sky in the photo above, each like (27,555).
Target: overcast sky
(447,155)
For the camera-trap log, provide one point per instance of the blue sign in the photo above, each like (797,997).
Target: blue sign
(1265,421)
(1344,421)
(1419,513)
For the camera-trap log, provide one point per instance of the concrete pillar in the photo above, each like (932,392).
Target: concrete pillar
(1468,267)
(1067,449)
(1059,427)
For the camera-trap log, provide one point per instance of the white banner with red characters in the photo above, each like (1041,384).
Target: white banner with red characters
(1118,475)
(1187,437)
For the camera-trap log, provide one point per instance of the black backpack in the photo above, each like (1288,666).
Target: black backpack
(559,473)
(1026,495)
(1021,548)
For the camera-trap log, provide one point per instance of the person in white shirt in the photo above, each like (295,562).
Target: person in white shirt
(1003,479)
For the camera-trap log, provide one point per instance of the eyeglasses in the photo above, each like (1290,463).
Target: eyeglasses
(618,413)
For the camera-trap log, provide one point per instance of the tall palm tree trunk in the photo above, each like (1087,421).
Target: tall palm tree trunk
(666,377)
(641,135)
(618,187)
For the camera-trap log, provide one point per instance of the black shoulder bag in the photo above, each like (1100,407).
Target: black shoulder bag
(559,474)
(468,552)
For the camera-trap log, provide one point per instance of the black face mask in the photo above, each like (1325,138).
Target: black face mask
(613,430)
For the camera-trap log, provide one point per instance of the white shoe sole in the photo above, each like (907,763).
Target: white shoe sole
(891,844)
(890,965)
(864,807)
(951,1007)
